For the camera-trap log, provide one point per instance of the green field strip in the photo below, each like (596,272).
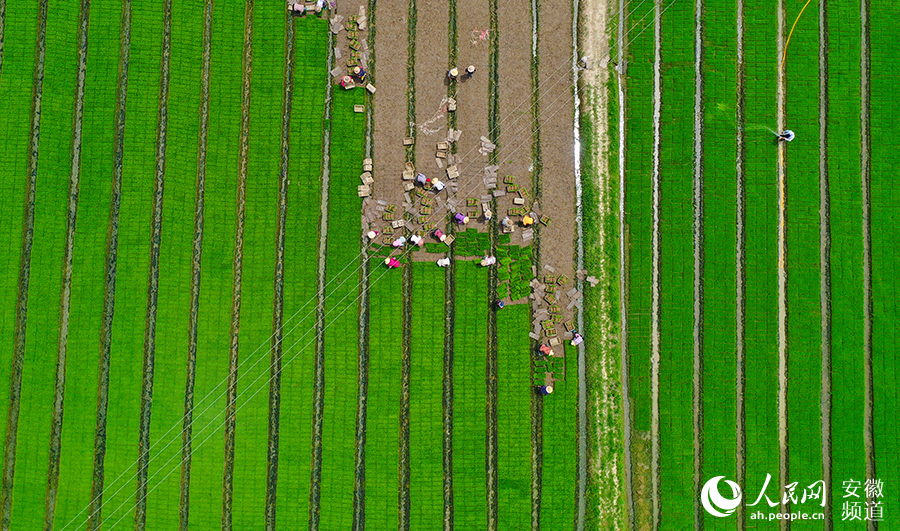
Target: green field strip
(260,228)
(77,446)
(15,120)
(469,481)
(385,335)
(426,373)
(301,248)
(126,356)
(676,266)
(638,214)
(514,390)
(38,370)
(174,298)
(560,448)
(847,381)
(802,212)
(341,334)
(885,257)
(761,266)
(718,382)
(213,341)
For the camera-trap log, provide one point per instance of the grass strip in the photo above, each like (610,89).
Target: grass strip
(382,434)
(698,194)
(301,246)
(16,373)
(90,282)
(196,260)
(718,381)
(469,475)
(342,333)
(426,446)
(885,198)
(676,260)
(65,305)
(514,391)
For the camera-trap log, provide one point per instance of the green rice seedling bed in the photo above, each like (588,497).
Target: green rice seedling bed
(341,336)
(385,350)
(77,446)
(761,317)
(514,390)
(676,266)
(425,426)
(469,473)
(15,123)
(39,370)
(847,382)
(260,229)
(560,447)
(301,265)
(804,316)
(129,322)
(216,284)
(175,267)
(719,247)
(638,214)
(885,198)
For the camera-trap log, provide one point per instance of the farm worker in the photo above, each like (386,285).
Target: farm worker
(787,135)
(527,221)
(488,214)
(298,8)
(545,389)
(443,262)
(372,234)
(347,82)
(546,350)
(453,73)
(417,240)
(577,339)
(461,219)
(320,5)
(506,222)
(488,260)
(360,72)
(438,185)
(421,179)
(440,235)
(470,70)
(500,305)
(399,242)
(391,262)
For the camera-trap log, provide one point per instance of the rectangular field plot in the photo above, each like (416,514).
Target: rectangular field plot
(560,428)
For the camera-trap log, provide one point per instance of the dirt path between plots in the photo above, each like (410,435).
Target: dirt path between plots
(56,421)
(606,398)
(37,92)
(783,441)
(654,312)
(740,272)
(825,259)
(2,31)
(196,255)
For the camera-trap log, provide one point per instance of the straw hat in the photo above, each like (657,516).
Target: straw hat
(454,72)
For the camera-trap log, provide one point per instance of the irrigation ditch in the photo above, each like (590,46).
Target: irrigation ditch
(56,421)
(740,267)
(15,385)
(278,298)
(699,255)
(94,518)
(825,260)
(140,510)
(315,476)
(238,262)
(196,257)
(537,402)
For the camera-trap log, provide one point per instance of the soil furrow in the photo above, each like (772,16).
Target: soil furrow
(740,259)
(655,265)
(237,264)
(15,380)
(94,517)
(783,442)
(865,167)
(491,435)
(140,509)
(196,256)
(622,68)
(698,194)
(56,421)
(278,298)
(825,260)
(315,479)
